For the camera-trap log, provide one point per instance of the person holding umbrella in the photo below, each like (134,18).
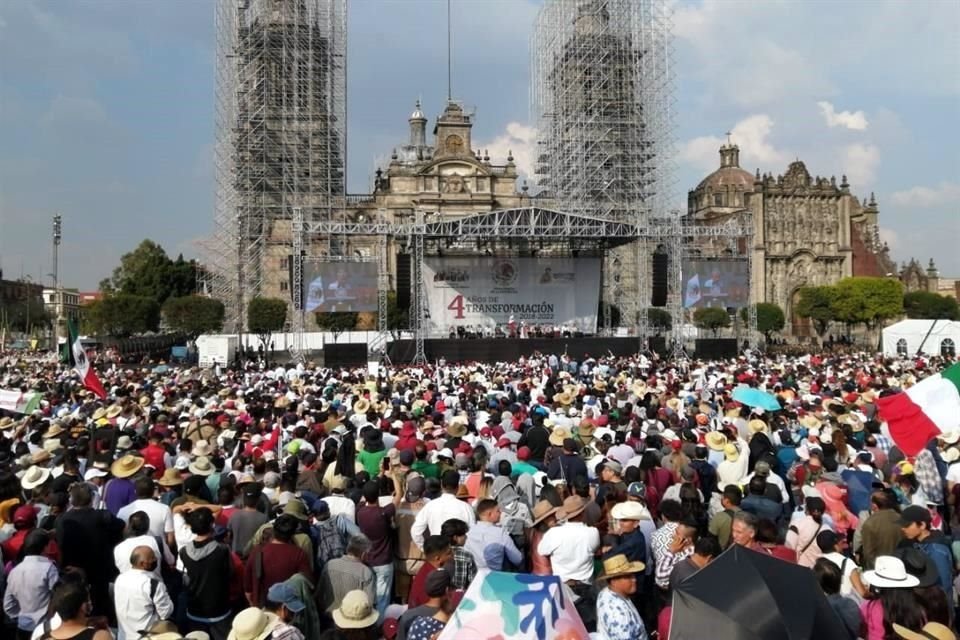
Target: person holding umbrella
(617,617)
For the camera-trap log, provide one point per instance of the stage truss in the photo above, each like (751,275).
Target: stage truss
(528,224)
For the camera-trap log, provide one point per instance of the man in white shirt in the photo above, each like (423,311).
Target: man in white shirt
(138,536)
(436,512)
(340,505)
(572,545)
(161,518)
(141,599)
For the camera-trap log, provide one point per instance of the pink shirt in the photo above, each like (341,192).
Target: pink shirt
(872,611)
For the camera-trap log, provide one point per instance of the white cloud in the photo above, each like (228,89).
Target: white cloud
(519,139)
(945,193)
(855,120)
(890,237)
(860,162)
(750,134)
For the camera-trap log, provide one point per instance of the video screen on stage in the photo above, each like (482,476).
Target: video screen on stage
(714,282)
(330,287)
(559,294)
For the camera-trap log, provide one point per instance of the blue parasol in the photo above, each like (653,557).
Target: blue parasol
(756,398)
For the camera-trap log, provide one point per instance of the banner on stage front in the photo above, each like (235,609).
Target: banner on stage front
(484,291)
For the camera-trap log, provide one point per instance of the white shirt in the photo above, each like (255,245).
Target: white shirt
(341,506)
(136,610)
(571,547)
(953,472)
(121,553)
(849,566)
(436,512)
(161,518)
(55,622)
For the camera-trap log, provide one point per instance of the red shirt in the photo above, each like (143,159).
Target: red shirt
(153,455)
(278,562)
(12,545)
(418,588)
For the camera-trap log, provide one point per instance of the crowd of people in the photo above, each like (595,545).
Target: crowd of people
(303,502)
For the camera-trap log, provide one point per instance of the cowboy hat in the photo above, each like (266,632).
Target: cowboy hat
(456,429)
(675,404)
(34,477)
(558,435)
(888,571)
(253,624)
(950,455)
(564,398)
(572,506)
(113,411)
(201,466)
(543,510)
(200,449)
(126,466)
(55,430)
(40,457)
(639,389)
(618,565)
(52,446)
(170,478)
(628,511)
(731,453)
(951,437)
(361,406)
(297,509)
(355,612)
(810,421)
(124,442)
(716,440)
(930,631)
(757,426)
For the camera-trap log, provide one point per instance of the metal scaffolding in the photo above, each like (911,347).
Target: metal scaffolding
(602,96)
(280,139)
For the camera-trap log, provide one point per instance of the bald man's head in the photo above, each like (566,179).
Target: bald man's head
(143,558)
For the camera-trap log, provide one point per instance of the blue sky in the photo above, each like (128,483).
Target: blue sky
(106,109)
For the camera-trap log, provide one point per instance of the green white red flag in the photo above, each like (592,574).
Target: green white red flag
(924,411)
(78,357)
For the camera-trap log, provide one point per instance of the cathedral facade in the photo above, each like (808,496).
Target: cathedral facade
(807,230)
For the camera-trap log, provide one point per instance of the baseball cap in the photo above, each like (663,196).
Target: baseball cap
(415,488)
(614,466)
(320,507)
(637,490)
(912,514)
(523,453)
(25,514)
(438,582)
(762,468)
(285,594)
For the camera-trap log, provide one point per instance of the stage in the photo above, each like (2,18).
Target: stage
(491,350)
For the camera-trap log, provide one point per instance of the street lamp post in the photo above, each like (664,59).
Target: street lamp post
(58,307)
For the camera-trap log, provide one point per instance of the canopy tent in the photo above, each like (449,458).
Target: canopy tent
(515,606)
(930,337)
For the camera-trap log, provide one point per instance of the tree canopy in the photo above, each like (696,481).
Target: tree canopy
(770,318)
(193,315)
(711,318)
(816,303)
(266,316)
(659,319)
(149,272)
(25,315)
(337,322)
(122,315)
(926,305)
(867,301)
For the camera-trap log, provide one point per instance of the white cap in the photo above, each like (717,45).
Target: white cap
(92,473)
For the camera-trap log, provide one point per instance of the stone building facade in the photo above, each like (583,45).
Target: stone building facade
(807,230)
(915,278)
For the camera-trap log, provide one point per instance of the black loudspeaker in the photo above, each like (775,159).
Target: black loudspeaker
(297,300)
(659,298)
(348,354)
(403,280)
(715,348)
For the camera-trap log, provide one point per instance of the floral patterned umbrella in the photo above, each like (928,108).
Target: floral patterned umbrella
(507,606)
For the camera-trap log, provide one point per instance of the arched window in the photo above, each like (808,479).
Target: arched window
(948,348)
(902,347)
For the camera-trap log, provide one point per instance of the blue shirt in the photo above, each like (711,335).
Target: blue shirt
(618,618)
(488,544)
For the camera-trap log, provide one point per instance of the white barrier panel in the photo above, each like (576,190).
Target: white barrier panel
(485,292)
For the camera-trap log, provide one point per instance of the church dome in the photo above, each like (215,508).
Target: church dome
(729,174)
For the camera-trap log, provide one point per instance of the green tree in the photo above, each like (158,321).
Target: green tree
(867,301)
(25,315)
(122,315)
(193,315)
(266,316)
(816,303)
(770,318)
(398,318)
(337,322)
(659,320)
(926,305)
(147,271)
(711,318)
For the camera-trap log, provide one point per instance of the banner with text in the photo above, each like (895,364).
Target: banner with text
(484,291)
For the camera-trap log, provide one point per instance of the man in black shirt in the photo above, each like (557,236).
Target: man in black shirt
(208,573)
(537,438)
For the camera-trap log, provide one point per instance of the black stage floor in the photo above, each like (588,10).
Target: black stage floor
(507,349)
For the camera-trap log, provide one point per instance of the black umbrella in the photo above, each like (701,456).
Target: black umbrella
(747,595)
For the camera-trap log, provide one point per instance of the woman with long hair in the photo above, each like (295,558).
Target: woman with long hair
(892,600)
(346,465)
(692,506)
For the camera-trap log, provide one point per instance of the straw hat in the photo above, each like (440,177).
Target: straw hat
(126,466)
(757,426)
(55,430)
(951,455)
(930,631)
(716,440)
(113,411)
(252,624)
(572,506)
(675,404)
(52,446)
(618,565)
(564,398)
(5,422)
(558,435)
(170,478)
(543,510)
(200,449)
(361,406)
(34,477)
(144,401)
(99,414)
(639,389)
(456,429)
(201,466)
(124,442)
(731,453)
(810,421)
(40,457)
(355,612)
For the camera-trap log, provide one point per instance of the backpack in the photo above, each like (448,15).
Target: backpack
(330,544)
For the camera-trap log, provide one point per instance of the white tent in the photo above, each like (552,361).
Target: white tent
(936,337)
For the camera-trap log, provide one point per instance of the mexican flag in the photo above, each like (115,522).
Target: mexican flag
(923,411)
(82,364)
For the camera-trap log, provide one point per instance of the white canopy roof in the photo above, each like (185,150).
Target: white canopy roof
(907,336)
